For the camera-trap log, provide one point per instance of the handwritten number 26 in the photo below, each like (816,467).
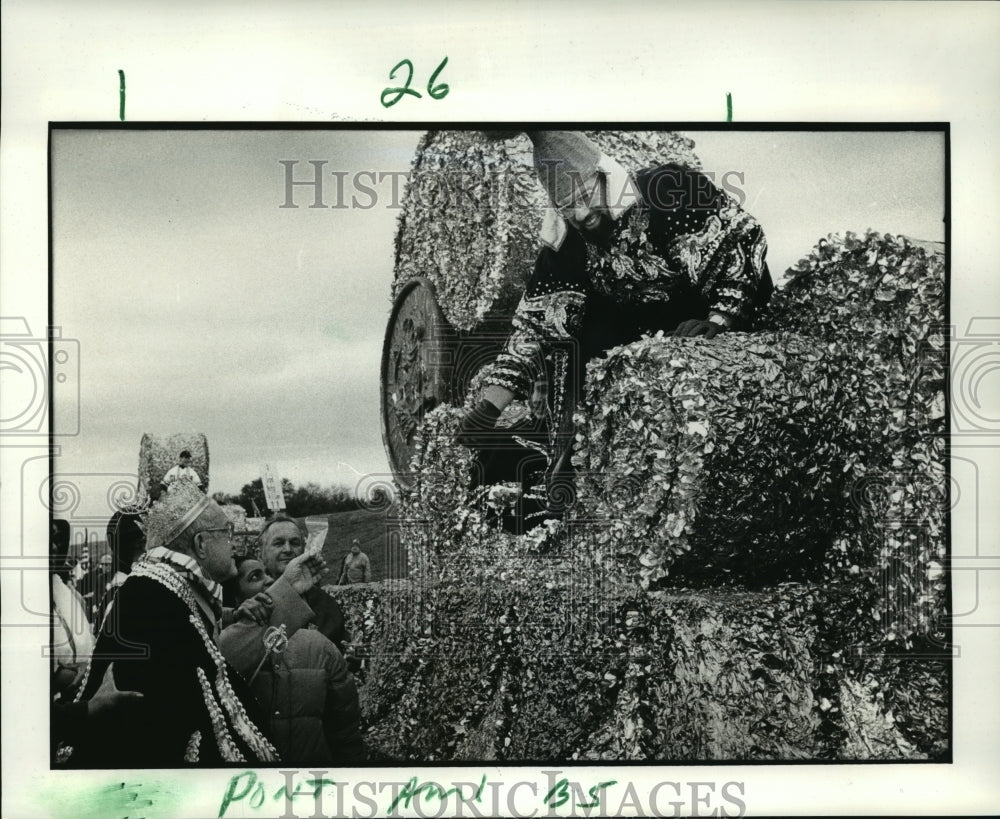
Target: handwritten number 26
(390,96)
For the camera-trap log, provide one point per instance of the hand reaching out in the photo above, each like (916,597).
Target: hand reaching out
(108,696)
(303,572)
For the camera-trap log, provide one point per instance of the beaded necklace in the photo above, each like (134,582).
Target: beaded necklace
(220,701)
(223,694)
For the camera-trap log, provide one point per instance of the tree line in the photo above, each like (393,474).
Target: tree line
(300,501)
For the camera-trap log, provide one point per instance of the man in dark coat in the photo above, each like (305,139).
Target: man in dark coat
(161,633)
(127,542)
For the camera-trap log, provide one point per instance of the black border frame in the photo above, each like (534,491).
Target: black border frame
(643,125)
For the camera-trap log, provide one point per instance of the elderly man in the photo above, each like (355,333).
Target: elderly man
(623,254)
(161,635)
(298,600)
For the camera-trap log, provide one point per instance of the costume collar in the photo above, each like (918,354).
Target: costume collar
(188,567)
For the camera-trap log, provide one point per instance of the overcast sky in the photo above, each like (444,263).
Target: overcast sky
(201,305)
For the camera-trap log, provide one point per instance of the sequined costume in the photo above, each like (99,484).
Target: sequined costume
(160,633)
(682,250)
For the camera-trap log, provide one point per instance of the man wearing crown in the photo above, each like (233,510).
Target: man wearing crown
(161,634)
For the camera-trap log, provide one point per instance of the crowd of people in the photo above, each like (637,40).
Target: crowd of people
(193,654)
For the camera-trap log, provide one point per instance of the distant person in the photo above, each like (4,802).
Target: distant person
(82,567)
(181,473)
(87,584)
(103,572)
(59,563)
(357,566)
(161,635)
(303,683)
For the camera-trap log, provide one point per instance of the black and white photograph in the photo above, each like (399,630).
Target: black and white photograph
(530,446)
(445,410)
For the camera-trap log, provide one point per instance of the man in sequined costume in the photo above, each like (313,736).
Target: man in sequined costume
(161,634)
(623,255)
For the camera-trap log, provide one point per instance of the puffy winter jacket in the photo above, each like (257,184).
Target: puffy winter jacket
(312,702)
(306,688)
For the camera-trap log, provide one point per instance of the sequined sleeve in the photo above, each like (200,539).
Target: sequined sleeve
(550,311)
(706,235)
(723,250)
(738,279)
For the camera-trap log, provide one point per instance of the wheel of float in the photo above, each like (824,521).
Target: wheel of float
(417,362)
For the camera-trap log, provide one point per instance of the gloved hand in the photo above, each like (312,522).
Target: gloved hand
(697,327)
(475,428)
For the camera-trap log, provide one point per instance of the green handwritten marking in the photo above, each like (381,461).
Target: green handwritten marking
(246,786)
(121,95)
(231,795)
(394,93)
(399,91)
(317,786)
(729,107)
(561,792)
(412,789)
(600,786)
(135,800)
(441,90)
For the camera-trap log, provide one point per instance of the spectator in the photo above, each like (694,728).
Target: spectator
(88,584)
(302,682)
(181,473)
(160,632)
(301,602)
(82,567)
(59,534)
(357,567)
(103,572)
(127,542)
(104,567)
(72,641)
